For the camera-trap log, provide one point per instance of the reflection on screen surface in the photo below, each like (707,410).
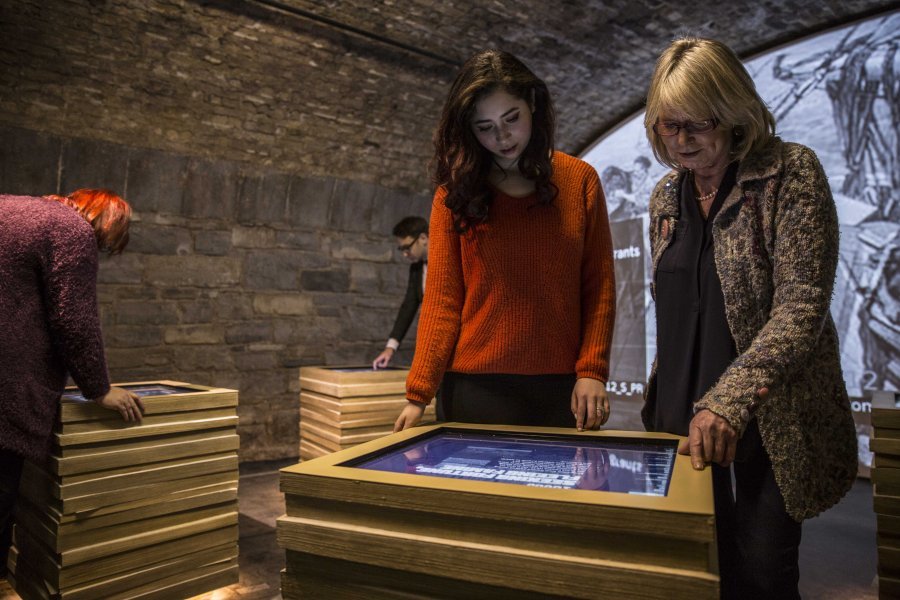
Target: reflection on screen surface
(610,464)
(153,389)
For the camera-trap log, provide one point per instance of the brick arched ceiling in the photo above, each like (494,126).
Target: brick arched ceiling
(345,88)
(597,55)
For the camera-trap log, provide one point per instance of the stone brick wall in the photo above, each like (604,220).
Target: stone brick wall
(227,79)
(235,275)
(267,159)
(246,82)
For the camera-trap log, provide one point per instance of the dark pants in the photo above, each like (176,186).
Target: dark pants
(439,413)
(759,543)
(543,400)
(10,474)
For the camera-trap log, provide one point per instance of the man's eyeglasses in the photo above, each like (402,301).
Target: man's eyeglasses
(669,128)
(407,247)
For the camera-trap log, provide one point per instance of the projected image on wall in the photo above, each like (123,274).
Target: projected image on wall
(838,93)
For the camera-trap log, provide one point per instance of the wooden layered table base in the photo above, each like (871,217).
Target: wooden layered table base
(145,579)
(123,510)
(886,486)
(311,576)
(341,407)
(356,533)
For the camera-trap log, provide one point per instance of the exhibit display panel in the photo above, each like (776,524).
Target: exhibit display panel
(346,405)
(886,489)
(539,461)
(122,509)
(528,512)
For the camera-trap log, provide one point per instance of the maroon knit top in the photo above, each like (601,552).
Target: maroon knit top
(49,324)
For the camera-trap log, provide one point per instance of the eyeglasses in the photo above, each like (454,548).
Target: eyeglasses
(407,247)
(669,128)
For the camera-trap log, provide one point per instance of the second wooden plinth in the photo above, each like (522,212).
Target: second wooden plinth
(132,510)
(341,407)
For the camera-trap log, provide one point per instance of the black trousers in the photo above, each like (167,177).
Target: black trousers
(759,543)
(10,474)
(498,399)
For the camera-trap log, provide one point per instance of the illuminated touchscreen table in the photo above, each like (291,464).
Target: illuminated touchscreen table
(554,462)
(343,406)
(462,511)
(139,509)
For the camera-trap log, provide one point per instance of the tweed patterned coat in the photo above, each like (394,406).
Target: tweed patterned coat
(775,242)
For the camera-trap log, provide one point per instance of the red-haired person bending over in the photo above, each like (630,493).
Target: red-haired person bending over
(49,322)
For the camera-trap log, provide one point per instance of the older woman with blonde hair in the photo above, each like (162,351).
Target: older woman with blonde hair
(744,239)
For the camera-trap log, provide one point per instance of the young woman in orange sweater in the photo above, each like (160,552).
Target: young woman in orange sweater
(518,313)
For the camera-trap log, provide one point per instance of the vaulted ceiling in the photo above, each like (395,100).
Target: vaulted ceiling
(596,55)
(349,89)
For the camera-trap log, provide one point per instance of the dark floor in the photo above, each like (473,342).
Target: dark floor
(837,556)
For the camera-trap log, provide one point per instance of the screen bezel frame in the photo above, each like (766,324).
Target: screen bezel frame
(180,390)
(690,491)
(495,436)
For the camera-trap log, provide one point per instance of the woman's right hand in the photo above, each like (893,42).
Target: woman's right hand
(590,403)
(712,439)
(409,416)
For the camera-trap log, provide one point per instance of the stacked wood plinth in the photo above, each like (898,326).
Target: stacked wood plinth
(356,533)
(886,479)
(132,510)
(344,406)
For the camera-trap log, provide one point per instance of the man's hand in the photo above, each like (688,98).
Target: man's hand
(590,405)
(409,416)
(383,359)
(127,404)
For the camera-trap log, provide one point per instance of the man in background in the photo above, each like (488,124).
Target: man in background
(412,242)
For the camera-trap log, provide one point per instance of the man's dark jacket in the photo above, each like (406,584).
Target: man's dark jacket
(411,302)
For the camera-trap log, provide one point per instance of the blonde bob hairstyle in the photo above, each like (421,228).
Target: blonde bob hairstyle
(704,78)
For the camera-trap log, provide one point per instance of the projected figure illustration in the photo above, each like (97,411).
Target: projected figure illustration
(628,188)
(620,201)
(860,76)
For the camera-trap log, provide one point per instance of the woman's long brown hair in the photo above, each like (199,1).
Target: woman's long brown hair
(461,164)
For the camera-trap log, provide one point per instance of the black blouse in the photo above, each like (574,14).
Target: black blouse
(694,343)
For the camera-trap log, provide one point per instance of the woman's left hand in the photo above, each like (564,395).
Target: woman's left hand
(128,404)
(590,405)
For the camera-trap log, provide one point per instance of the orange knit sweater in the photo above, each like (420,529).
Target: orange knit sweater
(529,292)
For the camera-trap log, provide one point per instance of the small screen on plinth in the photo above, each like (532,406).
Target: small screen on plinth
(623,465)
(142,390)
(367,369)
